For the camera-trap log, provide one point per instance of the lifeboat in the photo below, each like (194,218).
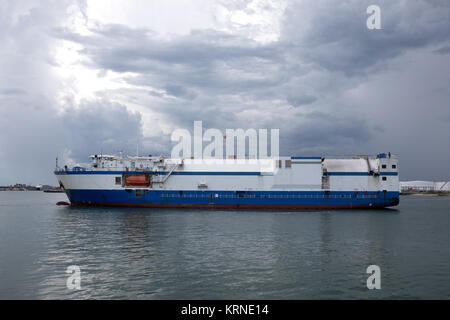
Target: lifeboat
(141,180)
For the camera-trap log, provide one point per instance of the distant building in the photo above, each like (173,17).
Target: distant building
(406,186)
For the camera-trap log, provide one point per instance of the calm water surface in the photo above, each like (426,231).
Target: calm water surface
(196,254)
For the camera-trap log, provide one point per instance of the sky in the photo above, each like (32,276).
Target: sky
(85,77)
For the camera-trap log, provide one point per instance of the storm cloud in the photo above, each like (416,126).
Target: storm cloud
(329,83)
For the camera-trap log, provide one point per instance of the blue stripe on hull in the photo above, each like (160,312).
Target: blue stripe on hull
(175,173)
(210,173)
(234,199)
(306,158)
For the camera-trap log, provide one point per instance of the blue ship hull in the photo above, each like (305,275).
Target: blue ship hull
(234,199)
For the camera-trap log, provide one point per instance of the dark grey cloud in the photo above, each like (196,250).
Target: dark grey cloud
(101,126)
(335,37)
(443,50)
(12,91)
(196,61)
(316,35)
(331,85)
(300,99)
(179,91)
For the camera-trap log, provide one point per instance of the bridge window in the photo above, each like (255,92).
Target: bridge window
(394,166)
(287,164)
(384,178)
(383,166)
(278,163)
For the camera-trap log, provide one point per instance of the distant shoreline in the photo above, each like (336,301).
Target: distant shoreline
(426,194)
(53,189)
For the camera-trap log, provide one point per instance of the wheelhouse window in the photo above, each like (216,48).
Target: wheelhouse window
(383,166)
(278,163)
(384,178)
(287,164)
(394,166)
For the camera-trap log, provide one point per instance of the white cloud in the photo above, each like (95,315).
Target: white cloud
(166,18)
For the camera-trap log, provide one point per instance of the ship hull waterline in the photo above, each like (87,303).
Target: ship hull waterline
(309,201)
(232,206)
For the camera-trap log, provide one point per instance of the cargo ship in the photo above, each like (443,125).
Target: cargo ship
(296,182)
